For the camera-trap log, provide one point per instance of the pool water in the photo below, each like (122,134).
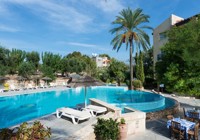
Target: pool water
(24,107)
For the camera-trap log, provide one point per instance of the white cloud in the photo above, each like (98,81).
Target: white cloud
(5,28)
(57,13)
(82,45)
(78,16)
(111,6)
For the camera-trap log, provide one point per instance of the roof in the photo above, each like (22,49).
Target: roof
(186,20)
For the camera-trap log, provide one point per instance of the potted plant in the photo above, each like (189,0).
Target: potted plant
(106,129)
(123,128)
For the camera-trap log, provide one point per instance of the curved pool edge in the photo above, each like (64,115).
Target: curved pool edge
(34,91)
(164,112)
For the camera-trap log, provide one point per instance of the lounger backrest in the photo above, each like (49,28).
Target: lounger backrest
(75,113)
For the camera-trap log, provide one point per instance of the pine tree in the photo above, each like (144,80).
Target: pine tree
(139,67)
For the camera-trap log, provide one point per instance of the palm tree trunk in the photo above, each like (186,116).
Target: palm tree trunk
(131,67)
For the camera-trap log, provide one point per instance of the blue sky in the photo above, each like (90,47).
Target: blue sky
(64,26)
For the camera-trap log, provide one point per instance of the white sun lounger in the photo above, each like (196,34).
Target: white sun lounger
(1,90)
(30,86)
(95,110)
(42,86)
(75,115)
(13,88)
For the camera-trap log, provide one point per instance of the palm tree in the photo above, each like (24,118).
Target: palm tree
(128,32)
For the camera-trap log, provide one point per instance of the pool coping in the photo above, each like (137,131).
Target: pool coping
(33,91)
(39,90)
(149,115)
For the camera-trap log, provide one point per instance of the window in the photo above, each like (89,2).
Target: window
(159,57)
(162,35)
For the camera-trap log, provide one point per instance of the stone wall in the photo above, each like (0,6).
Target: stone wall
(135,119)
(163,113)
(13,81)
(110,108)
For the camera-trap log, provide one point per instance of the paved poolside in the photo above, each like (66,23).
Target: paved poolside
(63,128)
(156,129)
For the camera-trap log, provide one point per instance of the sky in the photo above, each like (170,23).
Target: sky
(64,26)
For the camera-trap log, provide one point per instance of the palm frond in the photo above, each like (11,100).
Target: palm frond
(116,42)
(127,23)
(146,27)
(144,35)
(117,29)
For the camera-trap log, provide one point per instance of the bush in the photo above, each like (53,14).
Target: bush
(106,129)
(24,132)
(122,121)
(137,83)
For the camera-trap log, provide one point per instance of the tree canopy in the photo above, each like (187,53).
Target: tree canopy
(129,29)
(179,69)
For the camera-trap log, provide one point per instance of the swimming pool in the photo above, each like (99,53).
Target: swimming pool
(20,108)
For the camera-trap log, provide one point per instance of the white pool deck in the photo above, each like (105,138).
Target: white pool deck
(63,129)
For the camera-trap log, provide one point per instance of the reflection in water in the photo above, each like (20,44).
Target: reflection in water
(78,89)
(58,93)
(28,105)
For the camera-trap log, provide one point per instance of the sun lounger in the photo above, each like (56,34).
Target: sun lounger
(95,110)
(30,86)
(42,86)
(64,84)
(52,85)
(13,88)
(75,115)
(1,90)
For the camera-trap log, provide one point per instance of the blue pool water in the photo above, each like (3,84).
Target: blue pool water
(20,108)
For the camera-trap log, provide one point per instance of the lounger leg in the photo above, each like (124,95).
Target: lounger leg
(90,111)
(74,121)
(57,114)
(93,113)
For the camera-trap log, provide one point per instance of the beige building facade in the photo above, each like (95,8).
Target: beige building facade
(160,38)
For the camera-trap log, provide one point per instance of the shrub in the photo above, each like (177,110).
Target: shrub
(24,132)
(106,129)
(122,121)
(137,83)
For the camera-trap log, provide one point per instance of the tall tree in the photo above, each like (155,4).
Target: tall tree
(141,67)
(137,67)
(33,57)
(26,69)
(148,63)
(73,64)
(16,57)
(117,71)
(129,30)
(51,60)
(91,67)
(179,69)
(4,61)
(4,56)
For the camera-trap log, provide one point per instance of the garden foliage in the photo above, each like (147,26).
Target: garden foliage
(106,129)
(179,69)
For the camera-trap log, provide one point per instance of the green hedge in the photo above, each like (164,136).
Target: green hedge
(137,84)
